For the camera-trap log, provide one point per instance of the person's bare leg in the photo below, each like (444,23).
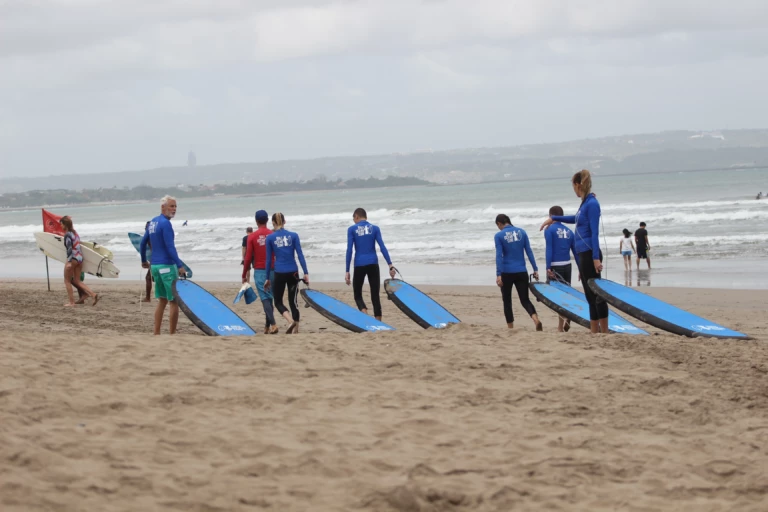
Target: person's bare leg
(173,316)
(594,326)
(287,317)
(560,324)
(537,322)
(638,263)
(378,318)
(68,267)
(148,294)
(511,325)
(603,325)
(364,311)
(81,285)
(159,311)
(648,261)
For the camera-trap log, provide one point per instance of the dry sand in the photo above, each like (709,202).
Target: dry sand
(96,414)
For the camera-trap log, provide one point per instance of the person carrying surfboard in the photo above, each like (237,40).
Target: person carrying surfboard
(74,266)
(590,257)
(166,265)
(560,245)
(363,237)
(285,246)
(256,255)
(512,245)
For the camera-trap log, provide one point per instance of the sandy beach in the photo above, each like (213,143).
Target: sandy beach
(97,414)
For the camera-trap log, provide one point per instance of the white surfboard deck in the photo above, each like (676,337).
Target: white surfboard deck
(94,263)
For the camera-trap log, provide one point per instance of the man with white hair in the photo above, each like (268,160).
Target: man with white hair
(166,265)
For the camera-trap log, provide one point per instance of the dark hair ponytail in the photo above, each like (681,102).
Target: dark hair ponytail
(503,219)
(626,233)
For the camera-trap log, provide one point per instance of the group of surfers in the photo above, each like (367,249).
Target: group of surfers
(282,248)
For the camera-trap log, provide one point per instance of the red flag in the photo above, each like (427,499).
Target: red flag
(51,223)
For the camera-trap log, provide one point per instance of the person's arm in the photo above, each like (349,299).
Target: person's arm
(268,245)
(593,217)
(633,246)
(573,249)
(143,246)
(499,255)
(248,258)
(529,252)
(647,243)
(550,242)
(300,254)
(168,238)
(568,219)
(350,243)
(382,247)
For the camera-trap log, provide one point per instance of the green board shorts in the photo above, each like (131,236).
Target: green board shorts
(164,276)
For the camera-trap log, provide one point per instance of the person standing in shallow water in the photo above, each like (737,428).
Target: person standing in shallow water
(626,248)
(590,257)
(512,245)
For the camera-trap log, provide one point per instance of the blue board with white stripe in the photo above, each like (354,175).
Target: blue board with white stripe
(212,316)
(343,314)
(572,304)
(419,307)
(658,313)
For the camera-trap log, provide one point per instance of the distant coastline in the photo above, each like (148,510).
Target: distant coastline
(144,194)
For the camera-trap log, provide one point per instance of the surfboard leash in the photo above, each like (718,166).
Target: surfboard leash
(398,272)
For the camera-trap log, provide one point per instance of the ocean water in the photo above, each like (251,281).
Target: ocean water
(705,228)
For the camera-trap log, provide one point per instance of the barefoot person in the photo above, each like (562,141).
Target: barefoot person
(643,246)
(148,277)
(256,255)
(285,246)
(590,257)
(363,237)
(74,265)
(626,248)
(560,245)
(512,245)
(166,265)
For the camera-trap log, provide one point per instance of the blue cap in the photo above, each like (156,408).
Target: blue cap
(262,216)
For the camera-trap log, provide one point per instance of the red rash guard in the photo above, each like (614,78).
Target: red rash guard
(256,250)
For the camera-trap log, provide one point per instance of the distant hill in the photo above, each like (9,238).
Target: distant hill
(665,151)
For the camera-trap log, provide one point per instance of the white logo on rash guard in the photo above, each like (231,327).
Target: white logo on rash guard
(512,236)
(562,233)
(364,230)
(283,241)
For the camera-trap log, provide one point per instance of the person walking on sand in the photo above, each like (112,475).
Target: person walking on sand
(74,265)
(362,237)
(512,245)
(256,255)
(590,257)
(560,245)
(166,265)
(285,246)
(626,248)
(643,245)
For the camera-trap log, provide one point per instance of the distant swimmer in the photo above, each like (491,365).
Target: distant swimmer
(74,266)
(643,245)
(512,245)
(166,266)
(148,277)
(185,223)
(363,237)
(627,248)
(590,257)
(285,246)
(560,245)
(256,255)
(759,195)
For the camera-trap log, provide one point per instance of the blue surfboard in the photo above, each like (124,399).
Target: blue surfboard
(418,306)
(572,304)
(343,314)
(136,241)
(207,312)
(658,313)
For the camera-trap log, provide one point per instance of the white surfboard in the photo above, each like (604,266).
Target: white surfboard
(94,263)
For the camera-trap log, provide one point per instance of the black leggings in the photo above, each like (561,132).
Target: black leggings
(520,281)
(291,280)
(598,308)
(374,281)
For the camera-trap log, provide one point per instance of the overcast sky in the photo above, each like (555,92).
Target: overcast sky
(101,86)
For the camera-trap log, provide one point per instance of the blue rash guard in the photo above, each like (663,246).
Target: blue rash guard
(284,245)
(364,236)
(511,246)
(587,221)
(560,244)
(160,235)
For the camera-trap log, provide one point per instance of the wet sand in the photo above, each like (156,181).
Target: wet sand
(97,414)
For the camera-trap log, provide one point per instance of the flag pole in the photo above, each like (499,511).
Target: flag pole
(46,273)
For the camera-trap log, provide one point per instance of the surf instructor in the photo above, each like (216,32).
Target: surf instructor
(166,266)
(590,257)
(363,237)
